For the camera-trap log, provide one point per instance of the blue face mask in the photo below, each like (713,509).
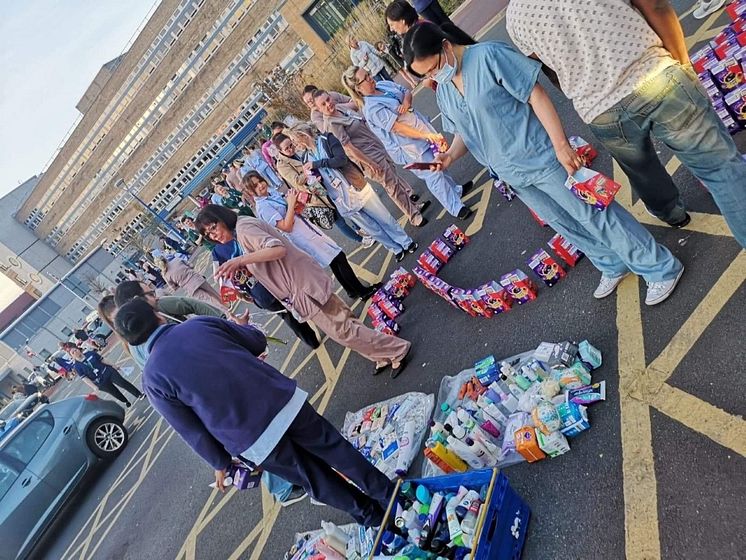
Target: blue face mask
(447,72)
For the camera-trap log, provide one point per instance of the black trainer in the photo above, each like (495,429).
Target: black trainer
(414,197)
(466,188)
(412,247)
(400,256)
(464,213)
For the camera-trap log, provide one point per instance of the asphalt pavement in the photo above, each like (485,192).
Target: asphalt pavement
(154,500)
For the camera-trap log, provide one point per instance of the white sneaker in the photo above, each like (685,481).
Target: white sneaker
(607,286)
(367,242)
(707,7)
(659,291)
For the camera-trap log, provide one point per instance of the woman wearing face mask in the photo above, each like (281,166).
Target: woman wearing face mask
(279,212)
(317,203)
(352,194)
(407,134)
(302,286)
(490,99)
(365,149)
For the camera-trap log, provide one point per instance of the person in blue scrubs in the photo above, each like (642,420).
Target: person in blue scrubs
(325,155)
(407,134)
(279,212)
(491,101)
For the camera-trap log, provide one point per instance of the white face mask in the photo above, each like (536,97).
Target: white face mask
(448,71)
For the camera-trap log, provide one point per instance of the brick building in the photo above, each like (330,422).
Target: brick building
(164,115)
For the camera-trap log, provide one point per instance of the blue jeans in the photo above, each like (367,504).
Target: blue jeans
(378,222)
(278,487)
(346,230)
(674,108)
(611,239)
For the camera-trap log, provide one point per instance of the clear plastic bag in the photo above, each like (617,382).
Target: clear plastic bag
(393,443)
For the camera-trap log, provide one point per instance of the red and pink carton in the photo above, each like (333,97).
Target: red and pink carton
(495,298)
(593,187)
(565,250)
(546,268)
(518,286)
(583,149)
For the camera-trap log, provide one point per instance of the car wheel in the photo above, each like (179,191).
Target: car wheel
(107,437)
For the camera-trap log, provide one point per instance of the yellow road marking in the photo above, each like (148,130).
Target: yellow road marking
(702,417)
(683,341)
(638,464)
(468,197)
(478,220)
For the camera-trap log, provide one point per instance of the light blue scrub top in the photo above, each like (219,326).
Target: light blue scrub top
(381,112)
(494,118)
(305,236)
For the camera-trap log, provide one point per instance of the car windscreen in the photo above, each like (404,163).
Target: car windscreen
(11,409)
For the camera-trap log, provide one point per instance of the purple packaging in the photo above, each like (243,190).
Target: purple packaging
(587,395)
(244,478)
(727,75)
(725,116)
(736,102)
(504,189)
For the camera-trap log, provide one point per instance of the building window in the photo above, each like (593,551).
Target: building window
(326,17)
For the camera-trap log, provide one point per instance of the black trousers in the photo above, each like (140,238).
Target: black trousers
(346,277)
(268,302)
(434,13)
(312,452)
(116,380)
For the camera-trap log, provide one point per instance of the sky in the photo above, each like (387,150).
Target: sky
(50,52)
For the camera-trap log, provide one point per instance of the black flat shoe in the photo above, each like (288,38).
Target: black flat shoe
(423,223)
(402,365)
(381,369)
(370,290)
(414,197)
(466,188)
(412,247)
(400,256)
(464,213)
(425,205)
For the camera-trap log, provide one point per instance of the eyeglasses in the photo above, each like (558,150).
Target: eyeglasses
(435,68)
(367,78)
(211,230)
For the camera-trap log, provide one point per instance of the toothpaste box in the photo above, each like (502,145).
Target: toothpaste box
(518,286)
(583,149)
(566,250)
(546,268)
(592,187)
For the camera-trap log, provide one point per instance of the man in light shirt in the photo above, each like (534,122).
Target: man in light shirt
(625,66)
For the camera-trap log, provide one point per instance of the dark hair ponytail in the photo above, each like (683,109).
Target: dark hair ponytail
(426,39)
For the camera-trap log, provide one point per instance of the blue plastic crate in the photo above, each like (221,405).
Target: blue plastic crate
(505,510)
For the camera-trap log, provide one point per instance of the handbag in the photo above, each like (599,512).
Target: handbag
(321,216)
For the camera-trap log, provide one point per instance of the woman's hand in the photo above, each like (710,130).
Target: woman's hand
(442,161)
(228,268)
(405,106)
(569,158)
(291,198)
(220,480)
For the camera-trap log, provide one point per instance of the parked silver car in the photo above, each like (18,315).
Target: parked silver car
(44,458)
